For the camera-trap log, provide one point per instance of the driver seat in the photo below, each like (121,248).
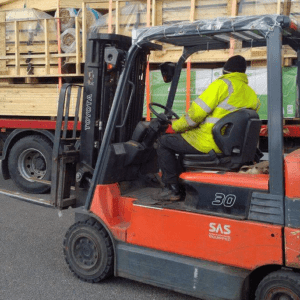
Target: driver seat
(237,136)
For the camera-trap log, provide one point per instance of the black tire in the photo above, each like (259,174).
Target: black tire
(279,285)
(31,158)
(88,251)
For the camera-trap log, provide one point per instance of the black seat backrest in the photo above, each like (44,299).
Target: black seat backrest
(238,134)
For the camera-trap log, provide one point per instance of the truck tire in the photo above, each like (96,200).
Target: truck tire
(88,251)
(31,158)
(279,285)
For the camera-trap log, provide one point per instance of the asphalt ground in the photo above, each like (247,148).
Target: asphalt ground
(32,265)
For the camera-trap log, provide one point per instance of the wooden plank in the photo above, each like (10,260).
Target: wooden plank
(148,13)
(78,54)
(17,49)
(158,13)
(23,48)
(278,7)
(38,71)
(110,17)
(287,7)
(2,45)
(58,30)
(29,38)
(192,12)
(117,12)
(84,30)
(153,12)
(232,11)
(40,55)
(34,62)
(47,53)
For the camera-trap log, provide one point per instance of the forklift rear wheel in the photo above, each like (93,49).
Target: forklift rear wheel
(88,251)
(279,285)
(29,159)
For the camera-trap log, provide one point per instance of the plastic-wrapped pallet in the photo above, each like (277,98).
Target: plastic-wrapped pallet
(31,29)
(91,17)
(132,15)
(68,40)
(67,18)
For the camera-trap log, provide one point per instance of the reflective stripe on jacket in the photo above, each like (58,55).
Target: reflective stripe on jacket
(227,94)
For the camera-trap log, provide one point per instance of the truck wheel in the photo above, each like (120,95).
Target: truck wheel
(31,158)
(279,285)
(88,251)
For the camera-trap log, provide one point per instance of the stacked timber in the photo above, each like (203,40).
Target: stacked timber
(34,100)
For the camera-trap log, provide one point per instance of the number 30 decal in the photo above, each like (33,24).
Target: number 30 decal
(227,201)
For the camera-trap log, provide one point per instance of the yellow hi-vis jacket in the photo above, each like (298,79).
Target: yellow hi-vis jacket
(227,94)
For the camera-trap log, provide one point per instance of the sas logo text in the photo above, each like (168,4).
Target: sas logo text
(219,232)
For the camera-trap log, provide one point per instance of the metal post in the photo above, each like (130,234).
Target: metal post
(275,112)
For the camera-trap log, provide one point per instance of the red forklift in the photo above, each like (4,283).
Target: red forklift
(234,235)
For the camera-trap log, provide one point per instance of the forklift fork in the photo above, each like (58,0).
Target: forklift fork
(65,149)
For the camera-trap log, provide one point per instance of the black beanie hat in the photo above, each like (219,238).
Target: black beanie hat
(235,63)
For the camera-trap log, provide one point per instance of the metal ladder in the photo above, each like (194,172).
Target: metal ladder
(65,149)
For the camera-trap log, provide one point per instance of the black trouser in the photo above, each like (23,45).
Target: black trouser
(168,146)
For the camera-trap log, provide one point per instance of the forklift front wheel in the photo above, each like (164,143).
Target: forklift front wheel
(279,285)
(88,251)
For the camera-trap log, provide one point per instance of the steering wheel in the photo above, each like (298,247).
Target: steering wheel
(163,117)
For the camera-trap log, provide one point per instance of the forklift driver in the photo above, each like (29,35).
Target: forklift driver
(227,94)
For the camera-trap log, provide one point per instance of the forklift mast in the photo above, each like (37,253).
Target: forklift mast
(75,157)
(105,60)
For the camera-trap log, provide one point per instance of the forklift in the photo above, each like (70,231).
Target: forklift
(234,235)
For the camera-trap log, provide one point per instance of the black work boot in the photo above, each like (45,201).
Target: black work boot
(169,192)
